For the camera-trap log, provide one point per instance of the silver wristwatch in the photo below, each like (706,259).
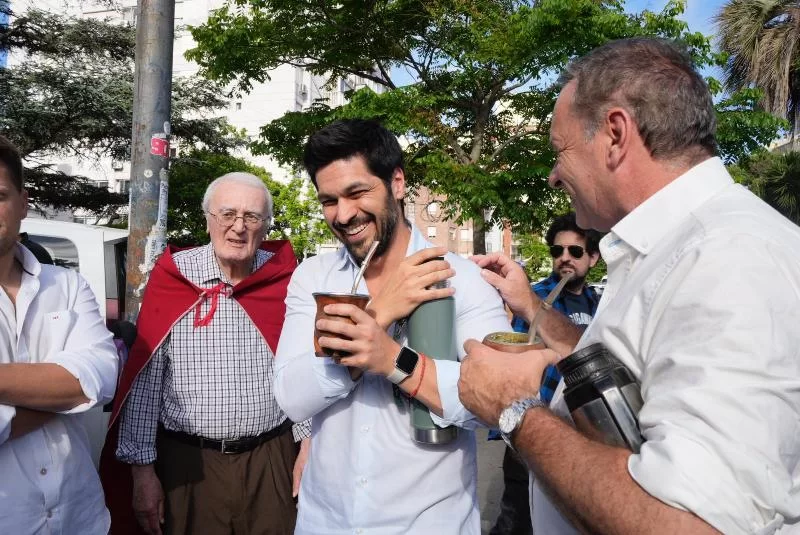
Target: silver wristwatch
(511,417)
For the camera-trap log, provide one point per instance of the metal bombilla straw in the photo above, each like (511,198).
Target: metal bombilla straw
(546,305)
(363,268)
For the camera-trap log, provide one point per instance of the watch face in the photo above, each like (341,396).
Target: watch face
(407,360)
(508,420)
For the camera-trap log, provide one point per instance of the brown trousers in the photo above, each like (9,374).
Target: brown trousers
(210,493)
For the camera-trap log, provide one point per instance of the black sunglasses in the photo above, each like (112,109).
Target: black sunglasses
(575,251)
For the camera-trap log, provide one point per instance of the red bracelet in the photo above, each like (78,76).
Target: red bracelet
(421,376)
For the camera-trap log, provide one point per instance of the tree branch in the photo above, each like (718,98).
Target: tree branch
(389,83)
(521,133)
(479,131)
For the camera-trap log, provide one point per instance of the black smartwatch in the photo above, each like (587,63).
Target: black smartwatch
(404,365)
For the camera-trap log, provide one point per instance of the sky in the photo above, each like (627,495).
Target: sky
(698,14)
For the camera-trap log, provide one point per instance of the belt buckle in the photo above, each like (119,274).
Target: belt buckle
(223,450)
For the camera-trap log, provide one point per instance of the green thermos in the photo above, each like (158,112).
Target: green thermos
(431,330)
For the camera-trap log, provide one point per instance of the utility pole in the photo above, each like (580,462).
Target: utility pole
(152,95)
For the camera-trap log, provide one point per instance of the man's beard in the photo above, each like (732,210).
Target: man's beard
(385,224)
(575,284)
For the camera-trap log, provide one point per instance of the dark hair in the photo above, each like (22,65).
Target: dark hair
(11,159)
(656,81)
(568,222)
(344,139)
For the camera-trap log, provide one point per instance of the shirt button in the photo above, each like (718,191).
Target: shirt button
(359,531)
(363,481)
(49,514)
(43,471)
(364,428)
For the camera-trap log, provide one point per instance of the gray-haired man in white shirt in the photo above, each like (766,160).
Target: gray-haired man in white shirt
(702,305)
(57,359)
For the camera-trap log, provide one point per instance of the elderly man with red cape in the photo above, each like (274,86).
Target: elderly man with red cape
(197,443)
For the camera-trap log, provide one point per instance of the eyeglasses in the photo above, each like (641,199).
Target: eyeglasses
(227,218)
(575,251)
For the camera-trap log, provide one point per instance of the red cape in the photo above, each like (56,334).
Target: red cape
(167,297)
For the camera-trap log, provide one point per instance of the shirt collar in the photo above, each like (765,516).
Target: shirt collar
(212,271)
(656,217)
(27,259)
(417,241)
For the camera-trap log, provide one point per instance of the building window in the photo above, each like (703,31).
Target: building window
(434,210)
(124,186)
(238,106)
(453,234)
(466,234)
(411,211)
(431,232)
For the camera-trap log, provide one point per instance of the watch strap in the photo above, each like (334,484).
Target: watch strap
(521,407)
(397,376)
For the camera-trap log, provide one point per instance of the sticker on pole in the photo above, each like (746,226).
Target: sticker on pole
(159,146)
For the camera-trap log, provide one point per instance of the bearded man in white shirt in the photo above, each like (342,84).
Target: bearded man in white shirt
(57,359)
(702,305)
(365,472)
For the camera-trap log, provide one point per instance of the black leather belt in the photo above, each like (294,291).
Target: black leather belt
(238,445)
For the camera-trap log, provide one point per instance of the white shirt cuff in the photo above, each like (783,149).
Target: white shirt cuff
(453,412)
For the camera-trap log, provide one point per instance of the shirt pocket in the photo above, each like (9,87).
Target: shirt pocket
(54,334)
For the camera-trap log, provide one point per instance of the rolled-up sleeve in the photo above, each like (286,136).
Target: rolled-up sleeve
(721,389)
(7,413)
(479,311)
(139,423)
(89,353)
(304,383)
(301,430)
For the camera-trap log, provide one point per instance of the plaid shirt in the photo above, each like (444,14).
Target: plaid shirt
(542,289)
(213,381)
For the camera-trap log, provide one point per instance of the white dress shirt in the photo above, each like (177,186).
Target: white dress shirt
(703,305)
(48,483)
(365,473)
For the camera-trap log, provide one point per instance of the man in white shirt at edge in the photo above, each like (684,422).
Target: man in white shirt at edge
(57,359)
(365,474)
(702,304)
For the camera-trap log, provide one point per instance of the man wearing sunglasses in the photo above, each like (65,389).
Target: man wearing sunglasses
(575,251)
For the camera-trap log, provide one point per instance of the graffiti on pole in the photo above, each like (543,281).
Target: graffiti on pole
(156,240)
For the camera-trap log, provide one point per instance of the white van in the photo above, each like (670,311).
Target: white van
(99,254)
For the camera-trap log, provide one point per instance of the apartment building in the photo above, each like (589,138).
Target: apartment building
(289,88)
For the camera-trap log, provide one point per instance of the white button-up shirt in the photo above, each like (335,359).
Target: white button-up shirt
(48,483)
(703,305)
(365,473)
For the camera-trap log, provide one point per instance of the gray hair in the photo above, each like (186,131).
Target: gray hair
(247,179)
(656,81)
